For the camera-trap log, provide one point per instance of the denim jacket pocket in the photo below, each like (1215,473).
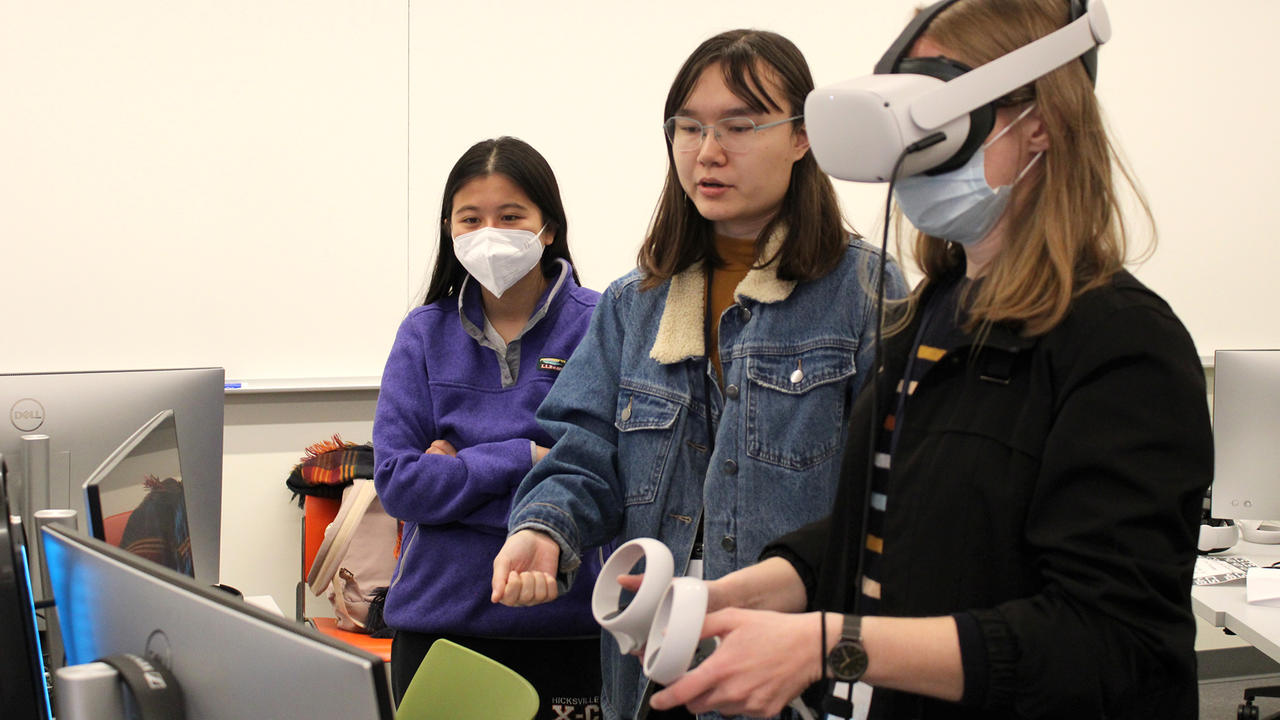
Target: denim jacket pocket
(646,424)
(796,405)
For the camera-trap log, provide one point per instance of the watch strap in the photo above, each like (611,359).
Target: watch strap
(852,628)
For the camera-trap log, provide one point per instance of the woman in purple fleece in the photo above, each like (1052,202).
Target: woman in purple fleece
(455,432)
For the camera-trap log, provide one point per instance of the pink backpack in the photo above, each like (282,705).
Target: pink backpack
(354,563)
(357,558)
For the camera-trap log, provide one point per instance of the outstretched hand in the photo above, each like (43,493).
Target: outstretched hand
(524,571)
(764,660)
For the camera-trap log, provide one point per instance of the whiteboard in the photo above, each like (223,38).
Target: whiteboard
(256,185)
(203,183)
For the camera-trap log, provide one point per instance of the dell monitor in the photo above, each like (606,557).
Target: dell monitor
(1246,441)
(230,659)
(73,420)
(23,690)
(135,498)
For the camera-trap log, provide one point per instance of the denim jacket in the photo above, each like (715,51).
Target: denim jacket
(629,418)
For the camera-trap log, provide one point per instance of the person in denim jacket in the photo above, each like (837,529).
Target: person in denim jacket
(792,310)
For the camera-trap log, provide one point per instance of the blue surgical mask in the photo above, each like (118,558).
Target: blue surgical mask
(958,205)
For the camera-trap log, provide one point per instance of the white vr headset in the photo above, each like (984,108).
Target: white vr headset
(935,110)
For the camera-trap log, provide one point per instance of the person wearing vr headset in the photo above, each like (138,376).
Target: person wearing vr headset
(454,431)
(748,255)
(1015,529)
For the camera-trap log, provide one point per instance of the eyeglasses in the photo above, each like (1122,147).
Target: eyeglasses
(735,134)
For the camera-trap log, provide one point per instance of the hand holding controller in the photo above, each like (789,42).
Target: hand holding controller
(665,616)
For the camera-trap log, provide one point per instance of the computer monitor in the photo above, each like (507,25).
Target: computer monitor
(1246,436)
(86,415)
(23,691)
(231,659)
(135,497)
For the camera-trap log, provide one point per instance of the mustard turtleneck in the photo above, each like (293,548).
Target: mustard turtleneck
(738,256)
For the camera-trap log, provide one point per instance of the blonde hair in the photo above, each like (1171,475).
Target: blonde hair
(1065,234)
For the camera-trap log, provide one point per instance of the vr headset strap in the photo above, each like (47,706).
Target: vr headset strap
(1011,71)
(888,62)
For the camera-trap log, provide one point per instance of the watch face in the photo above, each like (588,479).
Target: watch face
(847,661)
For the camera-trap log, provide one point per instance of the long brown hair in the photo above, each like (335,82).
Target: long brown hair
(1065,234)
(679,236)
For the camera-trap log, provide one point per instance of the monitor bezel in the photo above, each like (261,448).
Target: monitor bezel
(1245,457)
(18,622)
(374,666)
(86,415)
(92,487)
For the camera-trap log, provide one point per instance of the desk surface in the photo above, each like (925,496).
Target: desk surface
(1225,606)
(265,602)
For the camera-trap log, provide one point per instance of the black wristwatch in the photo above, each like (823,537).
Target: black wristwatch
(847,661)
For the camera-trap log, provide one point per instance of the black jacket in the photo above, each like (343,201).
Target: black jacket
(1051,487)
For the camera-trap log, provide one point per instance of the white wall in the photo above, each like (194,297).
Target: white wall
(253,184)
(266,435)
(203,183)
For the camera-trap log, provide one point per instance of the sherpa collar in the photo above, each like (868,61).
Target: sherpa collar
(680,328)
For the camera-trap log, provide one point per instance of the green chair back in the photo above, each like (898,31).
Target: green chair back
(456,683)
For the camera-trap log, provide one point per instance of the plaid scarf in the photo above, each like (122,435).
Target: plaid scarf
(328,467)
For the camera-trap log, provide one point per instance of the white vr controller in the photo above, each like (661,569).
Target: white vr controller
(665,616)
(1216,538)
(1257,531)
(1219,535)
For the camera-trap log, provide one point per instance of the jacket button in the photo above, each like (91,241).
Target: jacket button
(746,314)
(728,543)
(730,467)
(731,392)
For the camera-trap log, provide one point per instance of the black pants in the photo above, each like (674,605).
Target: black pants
(564,671)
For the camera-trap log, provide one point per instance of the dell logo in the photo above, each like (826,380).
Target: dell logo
(27,415)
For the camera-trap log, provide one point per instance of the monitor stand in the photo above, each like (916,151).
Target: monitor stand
(118,687)
(53,632)
(91,690)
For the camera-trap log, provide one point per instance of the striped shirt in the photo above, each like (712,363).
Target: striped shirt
(938,333)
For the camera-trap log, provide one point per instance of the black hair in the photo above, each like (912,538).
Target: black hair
(518,161)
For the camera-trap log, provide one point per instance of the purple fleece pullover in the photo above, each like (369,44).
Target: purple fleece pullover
(443,380)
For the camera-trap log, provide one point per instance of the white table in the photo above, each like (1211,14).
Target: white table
(264,602)
(1225,606)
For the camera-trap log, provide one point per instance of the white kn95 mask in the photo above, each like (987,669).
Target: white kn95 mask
(498,257)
